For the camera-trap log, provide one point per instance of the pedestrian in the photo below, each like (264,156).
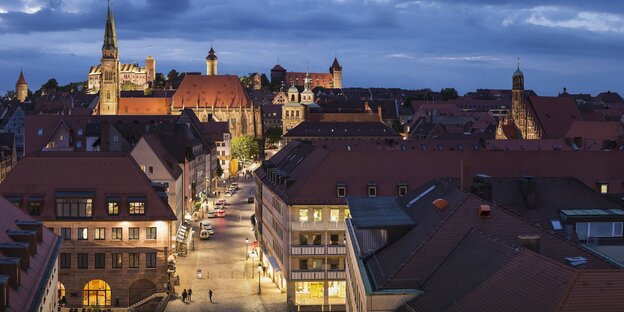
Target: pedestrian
(190,295)
(210,295)
(184,295)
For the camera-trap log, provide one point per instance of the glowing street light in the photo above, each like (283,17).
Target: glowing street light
(259,271)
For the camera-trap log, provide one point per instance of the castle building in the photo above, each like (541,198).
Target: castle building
(330,80)
(112,76)
(211,63)
(294,112)
(21,88)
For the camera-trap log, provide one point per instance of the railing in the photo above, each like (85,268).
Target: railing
(136,298)
(104,308)
(317,275)
(307,275)
(336,250)
(318,225)
(307,250)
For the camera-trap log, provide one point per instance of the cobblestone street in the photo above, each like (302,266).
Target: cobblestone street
(233,280)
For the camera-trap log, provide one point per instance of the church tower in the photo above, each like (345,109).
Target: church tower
(336,71)
(150,68)
(21,88)
(307,96)
(518,111)
(293,112)
(109,87)
(211,63)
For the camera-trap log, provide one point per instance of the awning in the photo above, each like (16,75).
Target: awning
(274,265)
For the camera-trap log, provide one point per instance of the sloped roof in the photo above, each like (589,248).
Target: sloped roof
(605,130)
(341,129)
(211,91)
(21,80)
(555,114)
(144,105)
(167,160)
(104,173)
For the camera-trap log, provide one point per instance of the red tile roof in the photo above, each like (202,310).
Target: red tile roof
(604,130)
(144,106)
(554,114)
(211,91)
(312,129)
(104,173)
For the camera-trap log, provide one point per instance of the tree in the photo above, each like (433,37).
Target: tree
(130,86)
(246,81)
(265,81)
(10,95)
(448,94)
(52,84)
(273,135)
(245,147)
(219,171)
(160,81)
(173,76)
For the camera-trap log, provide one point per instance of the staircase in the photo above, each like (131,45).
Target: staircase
(145,297)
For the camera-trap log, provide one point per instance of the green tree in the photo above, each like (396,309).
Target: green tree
(10,95)
(246,81)
(52,84)
(160,81)
(273,136)
(448,94)
(219,170)
(130,86)
(265,81)
(245,148)
(173,76)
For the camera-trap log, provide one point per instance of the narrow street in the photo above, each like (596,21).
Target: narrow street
(232,279)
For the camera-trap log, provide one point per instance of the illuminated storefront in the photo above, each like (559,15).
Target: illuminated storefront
(96,293)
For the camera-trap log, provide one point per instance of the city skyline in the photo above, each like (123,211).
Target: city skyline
(384,43)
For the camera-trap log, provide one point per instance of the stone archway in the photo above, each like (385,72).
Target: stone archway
(139,288)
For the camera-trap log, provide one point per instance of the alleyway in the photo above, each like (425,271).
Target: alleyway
(232,278)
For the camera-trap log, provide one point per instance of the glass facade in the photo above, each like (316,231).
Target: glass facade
(96,293)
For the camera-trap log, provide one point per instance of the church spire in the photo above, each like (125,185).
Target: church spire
(110,35)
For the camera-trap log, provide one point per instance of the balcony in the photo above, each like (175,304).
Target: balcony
(307,250)
(336,250)
(317,275)
(317,225)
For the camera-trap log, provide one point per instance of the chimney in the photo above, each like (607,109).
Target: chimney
(530,242)
(19,250)
(9,266)
(4,290)
(25,236)
(464,175)
(30,225)
(529,191)
(379,112)
(485,211)
(482,186)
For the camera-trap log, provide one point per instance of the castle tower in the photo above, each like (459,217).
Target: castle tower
(150,68)
(109,86)
(293,113)
(307,96)
(211,63)
(293,94)
(336,71)
(21,88)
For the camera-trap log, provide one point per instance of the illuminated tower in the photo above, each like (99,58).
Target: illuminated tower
(109,86)
(307,96)
(518,112)
(150,68)
(336,71)
(211,63)
(21,88)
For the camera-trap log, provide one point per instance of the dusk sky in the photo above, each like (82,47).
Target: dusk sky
(466,44)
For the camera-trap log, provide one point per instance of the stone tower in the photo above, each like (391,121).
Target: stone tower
(109,87)
(211,63)
(518,112)
(293,94)
(21,88)
(293,113)
(336,71)
(307,96)
(150,68)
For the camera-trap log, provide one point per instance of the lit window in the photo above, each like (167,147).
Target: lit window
(113,206)
(99,233)
(136,207)
(133,233)
(40,132)
(117,234)
(303,215)
(115,138)
(334,215)
(117,260)
(604,187)
(347,214)
(318,214)
(83,234)
(556,224)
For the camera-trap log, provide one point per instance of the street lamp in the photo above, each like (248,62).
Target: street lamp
(246,246)
(259,270)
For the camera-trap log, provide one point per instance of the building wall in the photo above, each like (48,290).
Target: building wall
(49,301)
(109,86)
(120,280)
(243,121)
(15,125)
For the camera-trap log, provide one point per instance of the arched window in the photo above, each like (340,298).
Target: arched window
(96,293)
(108,95)
(61,291)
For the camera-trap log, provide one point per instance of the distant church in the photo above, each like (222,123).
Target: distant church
(210,96)
(298,104)
(131,77)
(331,80)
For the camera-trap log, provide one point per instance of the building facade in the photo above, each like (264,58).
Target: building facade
(333,79)
(21,88)
(117,230)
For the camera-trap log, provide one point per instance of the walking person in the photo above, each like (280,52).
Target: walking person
(184,294)
(190,295)
(210,295)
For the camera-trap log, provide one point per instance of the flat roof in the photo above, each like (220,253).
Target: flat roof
(377,212)
(593,212)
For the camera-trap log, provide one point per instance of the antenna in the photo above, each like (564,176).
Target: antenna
(518,63)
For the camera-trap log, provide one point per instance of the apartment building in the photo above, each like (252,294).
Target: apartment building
(117,229)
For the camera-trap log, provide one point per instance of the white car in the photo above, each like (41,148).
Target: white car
(211,214)
(221,202)
(204,234)
(228,194)
(207,226)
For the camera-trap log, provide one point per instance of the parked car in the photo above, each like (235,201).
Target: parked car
(211,214)
(206,225)
(220,213)
(221,202)
(250,200)
(234,186)
(204,234)
(228,194)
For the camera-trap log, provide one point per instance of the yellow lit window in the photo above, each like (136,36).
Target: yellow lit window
(318,214)
(604,188)
(303,215)
(347,214)
(334,215)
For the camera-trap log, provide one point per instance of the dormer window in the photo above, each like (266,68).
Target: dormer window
(136,205)
(603,187)
(113,204)
(341,190)
(402,189)
(372,190)
(35,205)
(40,132)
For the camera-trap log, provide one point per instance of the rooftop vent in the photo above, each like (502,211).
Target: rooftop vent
(440,203)
(485,211)
(9,266)
(31,225)
(577,262)
(530,242)
(25,236)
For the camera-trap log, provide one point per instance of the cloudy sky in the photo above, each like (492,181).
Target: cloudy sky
(465,44)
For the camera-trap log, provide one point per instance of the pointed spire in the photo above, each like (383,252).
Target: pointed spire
(211,54)
(21,80)
(518,72)
(110,35)
(336,65)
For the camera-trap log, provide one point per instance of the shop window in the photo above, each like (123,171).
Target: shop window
(96,293)
(303,215)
